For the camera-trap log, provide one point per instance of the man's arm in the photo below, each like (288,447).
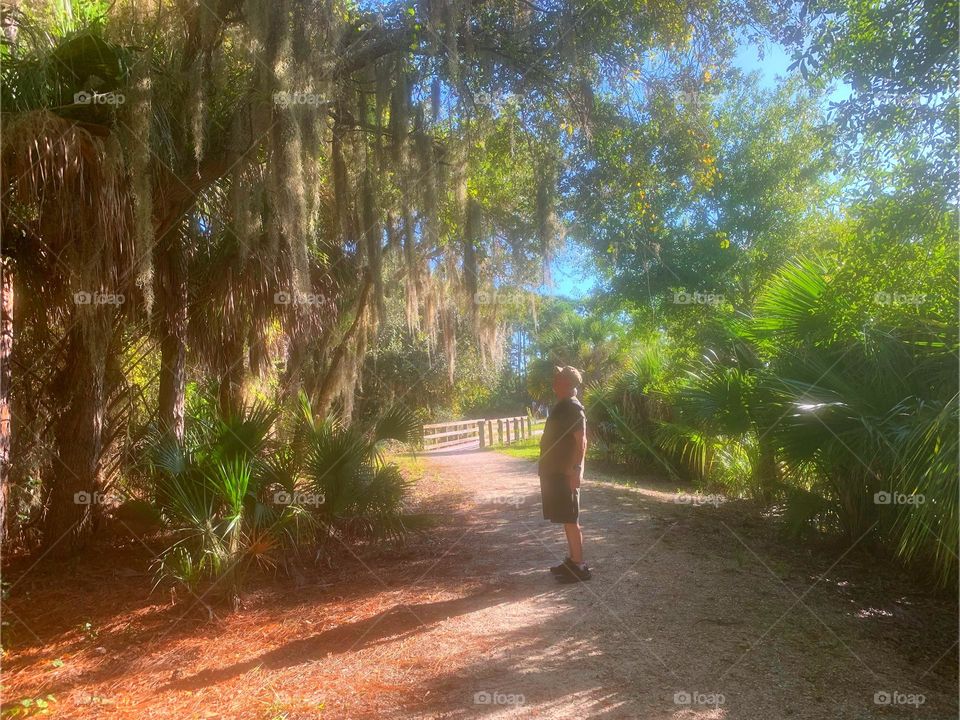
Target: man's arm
(578,455)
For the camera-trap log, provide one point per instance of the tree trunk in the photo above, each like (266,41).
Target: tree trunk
(230,393)
(173,383)
(172,274)
(72,495)
(6,428)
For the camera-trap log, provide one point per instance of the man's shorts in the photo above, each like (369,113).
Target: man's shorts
(560,503)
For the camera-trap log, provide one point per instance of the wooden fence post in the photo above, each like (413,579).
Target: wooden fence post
(480,424)
(499,431)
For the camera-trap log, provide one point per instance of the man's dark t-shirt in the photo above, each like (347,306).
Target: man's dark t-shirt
(557,442)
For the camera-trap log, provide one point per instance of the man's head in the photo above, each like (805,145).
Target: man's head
(566,381)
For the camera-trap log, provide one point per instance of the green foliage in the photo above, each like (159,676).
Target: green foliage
(404,370)
(712,194)
(838,390)
(821,368)
(362,497)
(899,58)
(845,416)
(594,342)
(31,707)
(625,408)
(927,532)
(63,72)
(257,487)
(212,490)
(853,409)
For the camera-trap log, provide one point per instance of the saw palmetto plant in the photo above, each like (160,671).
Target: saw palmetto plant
(258,489)
(827,422)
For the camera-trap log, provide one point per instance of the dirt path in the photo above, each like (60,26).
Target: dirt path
(686,602)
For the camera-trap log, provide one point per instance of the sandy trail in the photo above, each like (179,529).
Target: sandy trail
(682,605)
(687,603)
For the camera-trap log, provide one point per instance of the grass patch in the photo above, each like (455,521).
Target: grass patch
(410,465)
(528,449)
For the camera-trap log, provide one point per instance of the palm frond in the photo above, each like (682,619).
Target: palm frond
(929,470)
(398,423)
(791,304)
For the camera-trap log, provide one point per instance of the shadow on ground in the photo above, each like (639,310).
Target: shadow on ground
(699,603)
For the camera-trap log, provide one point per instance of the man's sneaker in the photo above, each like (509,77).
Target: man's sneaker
(573,573)
(562,567)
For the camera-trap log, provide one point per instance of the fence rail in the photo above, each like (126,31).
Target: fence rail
(485,432)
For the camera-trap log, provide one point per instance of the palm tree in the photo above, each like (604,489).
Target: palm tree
(72,213)
(591,343)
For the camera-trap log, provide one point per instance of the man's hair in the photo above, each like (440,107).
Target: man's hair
(571,373)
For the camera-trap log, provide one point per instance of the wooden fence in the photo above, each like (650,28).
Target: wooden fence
(484,432)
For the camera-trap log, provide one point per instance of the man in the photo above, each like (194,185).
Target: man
(563,447)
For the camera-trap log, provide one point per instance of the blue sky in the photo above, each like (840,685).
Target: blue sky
(774,63)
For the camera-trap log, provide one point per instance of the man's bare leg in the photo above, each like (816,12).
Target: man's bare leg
(575,541)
